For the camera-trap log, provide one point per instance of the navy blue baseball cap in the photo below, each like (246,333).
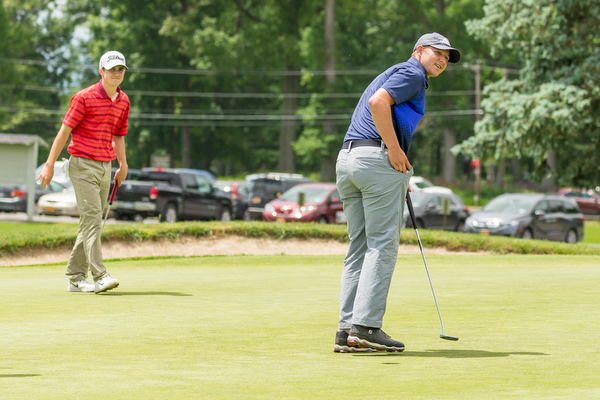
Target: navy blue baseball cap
(439,42)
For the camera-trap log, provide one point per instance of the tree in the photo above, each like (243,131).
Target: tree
(550,108)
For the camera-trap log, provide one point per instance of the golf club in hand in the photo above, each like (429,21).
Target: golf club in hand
(110,201)
(411,211)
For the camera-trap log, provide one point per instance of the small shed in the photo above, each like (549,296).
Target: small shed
(18,160)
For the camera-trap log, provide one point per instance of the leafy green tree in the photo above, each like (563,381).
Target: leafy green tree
(551,108)
(33,49)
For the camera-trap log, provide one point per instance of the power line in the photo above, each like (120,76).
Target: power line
(230,95)
(185,71)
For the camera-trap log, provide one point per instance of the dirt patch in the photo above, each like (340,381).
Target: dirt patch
(207,246)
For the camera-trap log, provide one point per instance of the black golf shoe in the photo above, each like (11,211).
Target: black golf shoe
(342,346)
(373,338)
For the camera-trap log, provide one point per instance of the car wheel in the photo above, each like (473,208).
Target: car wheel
(571,236)
(247,216)
(527,234)
(460,227)
(170,213)
(323,220)
(225,214)
(138,218)
(420,224)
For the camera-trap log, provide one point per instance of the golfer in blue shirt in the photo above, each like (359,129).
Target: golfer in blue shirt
(372,173)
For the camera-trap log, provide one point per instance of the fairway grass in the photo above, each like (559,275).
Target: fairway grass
(256,327)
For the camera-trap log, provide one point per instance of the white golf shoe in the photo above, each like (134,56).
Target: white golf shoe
(80,286)
(105,283)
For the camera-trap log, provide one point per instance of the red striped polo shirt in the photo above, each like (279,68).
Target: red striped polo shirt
(94,119)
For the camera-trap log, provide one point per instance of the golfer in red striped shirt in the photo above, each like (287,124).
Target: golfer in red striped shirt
(97,124)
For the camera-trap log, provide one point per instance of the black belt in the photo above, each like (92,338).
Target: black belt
(362,143)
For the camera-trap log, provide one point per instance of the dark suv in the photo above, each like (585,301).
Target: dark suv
(265,188)
(529,216)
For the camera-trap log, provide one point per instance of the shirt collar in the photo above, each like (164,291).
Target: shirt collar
(102,92)
(417,64)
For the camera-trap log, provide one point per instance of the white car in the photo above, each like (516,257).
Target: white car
(60,203)
(420,184)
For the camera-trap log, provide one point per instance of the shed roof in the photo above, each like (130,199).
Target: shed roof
(18,138)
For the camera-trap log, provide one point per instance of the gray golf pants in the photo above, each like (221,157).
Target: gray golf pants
(373,193)
(91,181)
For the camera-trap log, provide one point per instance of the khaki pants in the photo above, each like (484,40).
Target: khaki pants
(91,181)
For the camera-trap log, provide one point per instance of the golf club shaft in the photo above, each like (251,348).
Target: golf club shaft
(411,211)
(110,201)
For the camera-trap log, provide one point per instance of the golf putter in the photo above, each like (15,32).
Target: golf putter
(110,201)
(411,211)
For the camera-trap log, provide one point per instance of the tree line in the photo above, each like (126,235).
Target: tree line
(240,86)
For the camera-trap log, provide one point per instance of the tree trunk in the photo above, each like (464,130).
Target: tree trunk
(329,127)
(449,158)
(185,130)
(517,174)
(500,175)
(549,183)
(288,128)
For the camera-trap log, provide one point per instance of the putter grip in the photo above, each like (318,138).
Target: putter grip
(112,194)
(411,210)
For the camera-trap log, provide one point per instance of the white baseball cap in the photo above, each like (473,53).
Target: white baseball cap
(112,59)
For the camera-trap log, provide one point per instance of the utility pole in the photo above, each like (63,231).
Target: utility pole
(477,118)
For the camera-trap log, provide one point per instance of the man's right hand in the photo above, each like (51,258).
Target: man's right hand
(399,160)
(46,176)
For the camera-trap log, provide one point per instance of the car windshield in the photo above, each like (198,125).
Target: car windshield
(417,198)
(514,205)
(421,184)
(311,194)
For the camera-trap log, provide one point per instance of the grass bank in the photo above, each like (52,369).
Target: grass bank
(17,236)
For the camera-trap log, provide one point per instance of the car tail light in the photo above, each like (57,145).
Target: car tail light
(17,193)
(467,210)
(582,219)
(153,193)
(234,194)
(159,170)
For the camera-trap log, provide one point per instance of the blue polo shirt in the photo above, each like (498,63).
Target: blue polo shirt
(406,82)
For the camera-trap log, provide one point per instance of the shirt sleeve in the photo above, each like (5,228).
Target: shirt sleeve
(76,112)
(403,85)
(125,119)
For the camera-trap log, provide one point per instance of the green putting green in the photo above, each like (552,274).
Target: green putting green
(257,327)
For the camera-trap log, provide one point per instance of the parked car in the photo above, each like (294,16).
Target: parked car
(428,207)
(172,195)
(529,216)
(268,187)
(59,176)
(587,200)
(321,204)
(59,203)
(14,198)
(239,192)
(418,184)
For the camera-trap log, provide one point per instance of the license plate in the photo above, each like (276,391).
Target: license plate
(484,233)
(256,200)
(279,219)
(50,209)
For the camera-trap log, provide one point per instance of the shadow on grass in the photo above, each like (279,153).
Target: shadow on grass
(17,375)
(454,354)
(144,294)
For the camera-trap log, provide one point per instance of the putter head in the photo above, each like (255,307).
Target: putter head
(448,337)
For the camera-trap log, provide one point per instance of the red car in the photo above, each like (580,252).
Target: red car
(321,204)
(588,201)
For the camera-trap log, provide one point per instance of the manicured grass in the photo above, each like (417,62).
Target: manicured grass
(263,328)
(592,232)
